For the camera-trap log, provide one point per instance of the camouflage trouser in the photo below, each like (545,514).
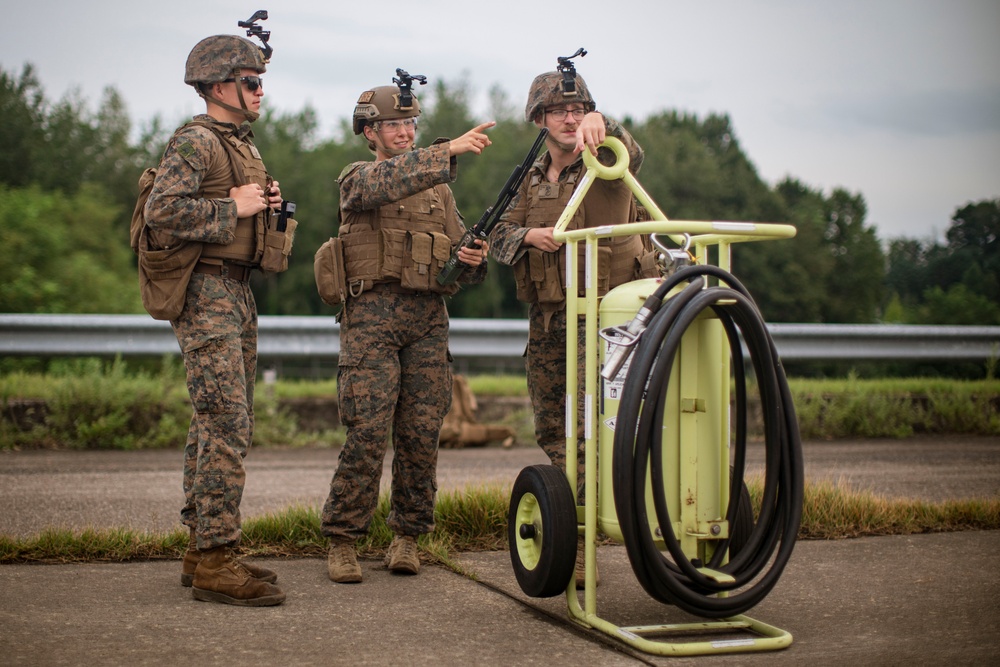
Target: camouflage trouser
(217,332)
(393,371)
(546,369)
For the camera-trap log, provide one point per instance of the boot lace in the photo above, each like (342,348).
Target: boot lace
(237,564)
(404,550)
(343,555)
(407,549)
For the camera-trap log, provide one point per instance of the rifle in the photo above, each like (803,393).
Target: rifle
(481,230)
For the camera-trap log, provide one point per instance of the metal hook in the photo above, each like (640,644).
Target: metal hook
(685,247)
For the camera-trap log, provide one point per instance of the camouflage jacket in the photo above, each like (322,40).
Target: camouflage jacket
(508,234)
(175,207)
(366,186)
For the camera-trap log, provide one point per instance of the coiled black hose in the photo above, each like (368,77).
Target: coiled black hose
(759,561)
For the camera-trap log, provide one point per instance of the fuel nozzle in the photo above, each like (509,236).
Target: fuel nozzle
(625,338)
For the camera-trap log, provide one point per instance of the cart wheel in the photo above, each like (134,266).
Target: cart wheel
(541,531)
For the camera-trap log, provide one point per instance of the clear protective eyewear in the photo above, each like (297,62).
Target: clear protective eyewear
(395,125)
(560,114)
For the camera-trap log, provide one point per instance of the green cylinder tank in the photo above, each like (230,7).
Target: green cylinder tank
(695,428)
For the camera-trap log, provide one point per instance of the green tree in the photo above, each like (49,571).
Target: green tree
(975,234)
(57,254)
(445,112)
(906,270)
(22,106)
(787,278)
(925,277)
(79,169)
(696,170)
(832,271)
(854,286)
(63,146)
(957,305)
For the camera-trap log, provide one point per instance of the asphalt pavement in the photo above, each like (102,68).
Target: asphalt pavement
(929,599)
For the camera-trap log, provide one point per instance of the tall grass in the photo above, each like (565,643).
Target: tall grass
(475,519)
(831,512)
(92,404)
(897,408)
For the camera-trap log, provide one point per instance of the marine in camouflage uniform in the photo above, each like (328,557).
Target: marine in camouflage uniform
(523,238)
(197,199)
(394,366)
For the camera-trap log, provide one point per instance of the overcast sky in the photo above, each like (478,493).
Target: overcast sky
(896,99)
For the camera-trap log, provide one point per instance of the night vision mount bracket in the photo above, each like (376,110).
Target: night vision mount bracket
(568,71)
(405,80)
(254,30)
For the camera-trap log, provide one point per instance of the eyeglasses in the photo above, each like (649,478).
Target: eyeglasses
(560,114)
(253,82)
(395,125)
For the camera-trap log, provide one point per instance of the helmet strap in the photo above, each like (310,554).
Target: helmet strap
(249,115)
(244,111)
(379,146)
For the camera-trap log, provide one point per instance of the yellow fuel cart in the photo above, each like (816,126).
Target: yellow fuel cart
(665,455)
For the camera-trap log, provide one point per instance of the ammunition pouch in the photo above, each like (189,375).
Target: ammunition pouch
(539,276)
(277,247)
(331,278)
(413,258)
(424,255)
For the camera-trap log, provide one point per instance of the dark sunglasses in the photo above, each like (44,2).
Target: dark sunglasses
(253,82)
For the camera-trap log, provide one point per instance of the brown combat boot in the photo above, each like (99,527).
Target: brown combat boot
(219,577)
(342,564)
(193,556)
(402,556)
(580,571)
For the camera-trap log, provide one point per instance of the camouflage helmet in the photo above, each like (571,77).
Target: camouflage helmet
(547,90)
(214,59)
(382,103)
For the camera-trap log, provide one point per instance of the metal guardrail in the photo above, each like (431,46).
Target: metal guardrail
(297,337)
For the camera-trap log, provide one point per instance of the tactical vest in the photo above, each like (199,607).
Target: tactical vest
(540,275)
(404,242)
(248,246)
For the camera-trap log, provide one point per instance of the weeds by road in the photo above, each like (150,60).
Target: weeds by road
(475,519)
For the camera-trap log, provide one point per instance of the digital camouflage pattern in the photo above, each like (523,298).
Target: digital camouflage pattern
(546,91)
(394,369)
(217,332)
(176,209)
(546,371)
(366,186)
(216,58)
(394,372)
(546,352)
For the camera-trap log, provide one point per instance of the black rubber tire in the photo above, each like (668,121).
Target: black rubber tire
(542,530)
